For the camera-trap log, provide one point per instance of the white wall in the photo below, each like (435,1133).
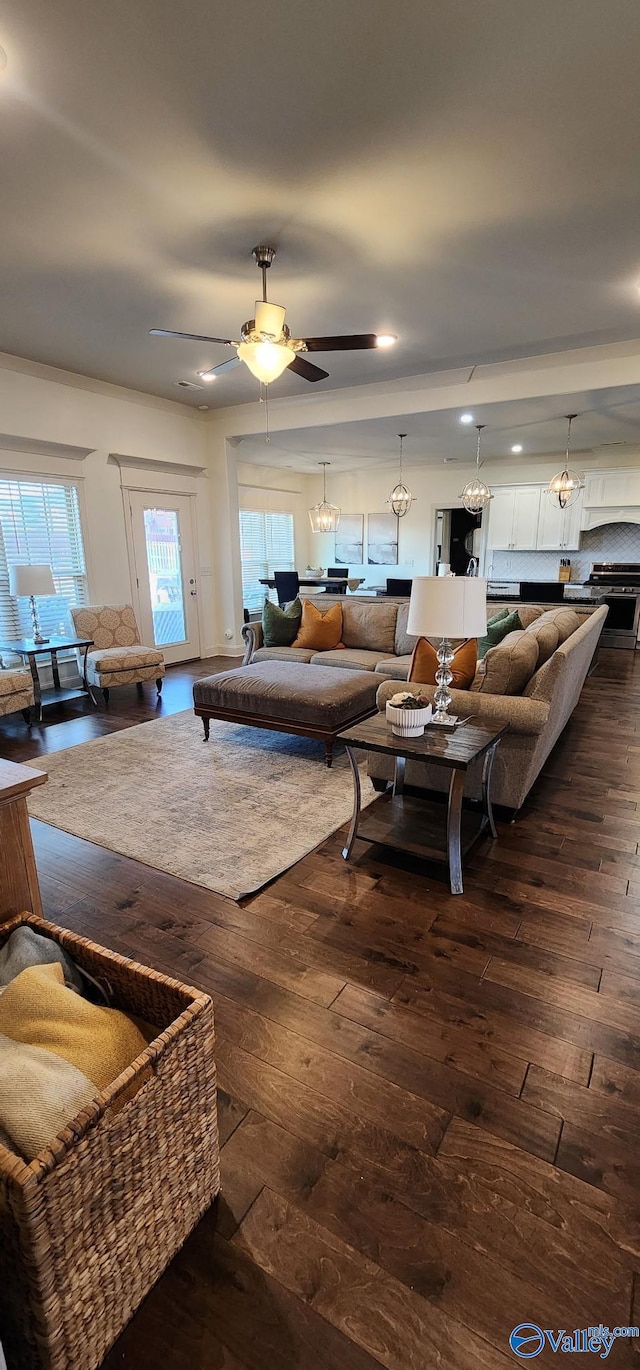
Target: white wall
(108,420)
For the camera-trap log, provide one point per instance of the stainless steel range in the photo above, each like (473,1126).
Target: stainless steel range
(619,582)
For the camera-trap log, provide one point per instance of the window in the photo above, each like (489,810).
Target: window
(40,523)
(266,545)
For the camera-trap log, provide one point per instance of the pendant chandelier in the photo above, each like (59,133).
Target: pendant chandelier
(400,498)
(564,488)
(476,495)
(324,517)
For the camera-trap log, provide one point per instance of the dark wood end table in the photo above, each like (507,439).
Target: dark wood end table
(410,824)
(29,650)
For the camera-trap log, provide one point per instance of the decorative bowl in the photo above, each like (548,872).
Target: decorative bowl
(408,722)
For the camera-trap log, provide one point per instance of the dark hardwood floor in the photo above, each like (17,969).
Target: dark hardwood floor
(429,1103)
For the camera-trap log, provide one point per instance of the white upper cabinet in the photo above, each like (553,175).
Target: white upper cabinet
(513,518)
(559,529)
(526,514)
(501,519)
(607,489)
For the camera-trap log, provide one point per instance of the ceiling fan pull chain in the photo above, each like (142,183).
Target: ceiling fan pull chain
(264,399)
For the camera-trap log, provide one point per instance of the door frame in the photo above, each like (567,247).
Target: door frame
(160,495)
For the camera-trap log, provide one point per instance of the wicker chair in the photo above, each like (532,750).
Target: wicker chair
(117,657)
(16,692)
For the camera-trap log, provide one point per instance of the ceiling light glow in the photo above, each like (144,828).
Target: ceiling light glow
(466,418)
(517,447)
(206,375)
(386,339)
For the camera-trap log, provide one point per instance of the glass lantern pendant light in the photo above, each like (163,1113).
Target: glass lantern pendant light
(476,495)
(564,488)
(400,498)
(324,517)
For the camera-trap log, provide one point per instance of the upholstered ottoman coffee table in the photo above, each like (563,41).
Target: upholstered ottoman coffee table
(318,701)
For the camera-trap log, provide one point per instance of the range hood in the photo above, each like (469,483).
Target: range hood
(598,518)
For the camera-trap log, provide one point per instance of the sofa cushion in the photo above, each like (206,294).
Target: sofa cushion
(14,682)
(508,668)
(348,658)
(566,621)
(280,626)
(319,631)
(107,659)
(394,667)
(547,637)
(424,663)
(528,614)
(404,641)
(303,654)
(371,625)
(497,629)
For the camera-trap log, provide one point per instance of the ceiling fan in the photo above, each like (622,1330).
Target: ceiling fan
(266,345)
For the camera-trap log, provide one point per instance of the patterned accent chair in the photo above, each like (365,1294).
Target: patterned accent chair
(16,692)
(117,657)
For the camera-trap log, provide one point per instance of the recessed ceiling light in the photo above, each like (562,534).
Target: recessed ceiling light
(517,447)
(466,418)
(206,375)
(386,339)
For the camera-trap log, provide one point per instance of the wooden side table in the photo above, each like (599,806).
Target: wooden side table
(30,651)
(19,887)
(414,825)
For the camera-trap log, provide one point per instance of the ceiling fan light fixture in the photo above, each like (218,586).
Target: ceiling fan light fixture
(266,360)
(324,517)
(564,488)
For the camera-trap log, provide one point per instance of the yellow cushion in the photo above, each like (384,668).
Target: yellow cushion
(424,663)
(37,1008)
(319,632)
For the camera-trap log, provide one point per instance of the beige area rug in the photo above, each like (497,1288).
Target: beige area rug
(230,814)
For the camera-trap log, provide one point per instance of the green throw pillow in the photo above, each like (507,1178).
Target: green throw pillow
(280,626)
(497,628)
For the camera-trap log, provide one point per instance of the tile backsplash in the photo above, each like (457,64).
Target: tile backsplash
(612,542)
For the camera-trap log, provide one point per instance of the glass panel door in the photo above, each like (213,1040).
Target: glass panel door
(164,566)
(165,572)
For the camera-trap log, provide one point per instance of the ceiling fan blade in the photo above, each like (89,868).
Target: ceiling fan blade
(194,337)
(307,370)
(347,342)
(219,370)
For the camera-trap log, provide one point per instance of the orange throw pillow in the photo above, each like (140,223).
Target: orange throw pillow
(424,664)
(319,632)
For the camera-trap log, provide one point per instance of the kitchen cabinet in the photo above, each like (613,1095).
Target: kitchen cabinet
(559,529)
(513,518)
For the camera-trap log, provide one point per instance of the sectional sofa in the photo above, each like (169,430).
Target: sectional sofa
(536,711)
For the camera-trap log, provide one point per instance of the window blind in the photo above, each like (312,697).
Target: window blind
(40,523)
(266,545)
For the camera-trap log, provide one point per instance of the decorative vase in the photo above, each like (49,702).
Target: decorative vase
(408,722)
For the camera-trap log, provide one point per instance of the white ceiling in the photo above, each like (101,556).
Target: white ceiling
(607,423)
(463,174)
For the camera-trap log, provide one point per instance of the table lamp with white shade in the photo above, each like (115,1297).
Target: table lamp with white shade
(445,607)
(31,582)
